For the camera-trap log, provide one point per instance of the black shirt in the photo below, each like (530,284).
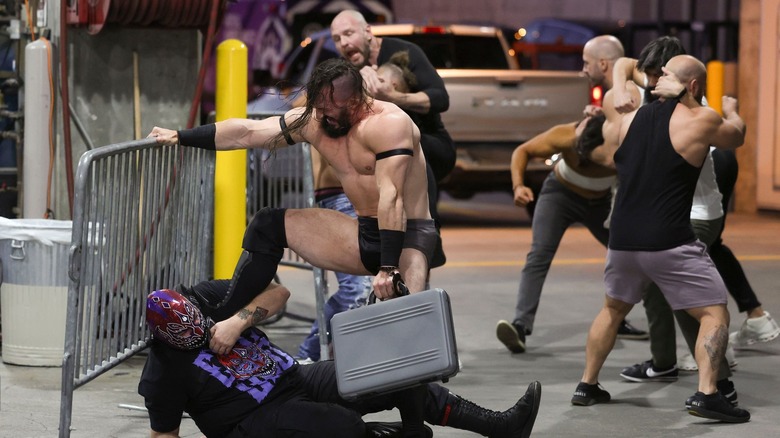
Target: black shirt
(217,391)
(652,209)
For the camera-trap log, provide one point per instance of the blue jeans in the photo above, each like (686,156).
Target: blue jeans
(557,208)
(353,289)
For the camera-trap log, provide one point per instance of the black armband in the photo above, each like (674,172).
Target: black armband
(392,153)
(285,131)
(391,242)
(201,137)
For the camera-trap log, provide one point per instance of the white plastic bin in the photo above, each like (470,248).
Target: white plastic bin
(34,290)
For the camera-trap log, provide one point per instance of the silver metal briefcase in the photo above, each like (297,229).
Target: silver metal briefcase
(394,344)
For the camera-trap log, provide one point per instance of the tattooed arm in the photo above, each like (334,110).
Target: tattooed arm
(225,333)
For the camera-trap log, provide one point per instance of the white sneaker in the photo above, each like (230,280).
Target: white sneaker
(688,363)
(761,329)
(304,360)
(730,357)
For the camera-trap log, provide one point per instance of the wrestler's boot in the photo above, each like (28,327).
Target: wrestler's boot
(516,421)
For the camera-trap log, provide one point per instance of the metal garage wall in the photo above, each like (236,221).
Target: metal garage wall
(102,86)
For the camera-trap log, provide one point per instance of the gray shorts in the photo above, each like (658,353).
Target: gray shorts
(685,274)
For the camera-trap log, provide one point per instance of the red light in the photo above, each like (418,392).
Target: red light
(596,95)
(433,29)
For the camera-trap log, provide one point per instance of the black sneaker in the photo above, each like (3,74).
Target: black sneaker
(725,387)
(586,395)
(646,372)
(628,331)
(512,335)
(716,407)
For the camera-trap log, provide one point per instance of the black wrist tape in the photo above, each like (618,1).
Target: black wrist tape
(682,93)
(285,131)
(391,244)
(200,137)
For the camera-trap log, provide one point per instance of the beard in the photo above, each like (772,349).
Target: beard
(338,129)
(366,52)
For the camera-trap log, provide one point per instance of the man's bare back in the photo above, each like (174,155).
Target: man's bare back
(693,127)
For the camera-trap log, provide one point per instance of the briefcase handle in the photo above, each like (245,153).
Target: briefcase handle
(399,286)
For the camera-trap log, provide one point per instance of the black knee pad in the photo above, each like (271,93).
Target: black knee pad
(264,243)
(253,273)
(266,233)
(206,294)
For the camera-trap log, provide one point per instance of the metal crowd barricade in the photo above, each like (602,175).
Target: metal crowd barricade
(140,214)
(283,178)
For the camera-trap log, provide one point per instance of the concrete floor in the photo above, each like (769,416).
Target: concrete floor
(484,260)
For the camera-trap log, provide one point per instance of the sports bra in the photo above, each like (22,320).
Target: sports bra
(585,182)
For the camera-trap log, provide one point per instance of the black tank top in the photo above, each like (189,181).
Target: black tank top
(653,205)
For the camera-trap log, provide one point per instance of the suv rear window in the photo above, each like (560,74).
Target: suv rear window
(460,51)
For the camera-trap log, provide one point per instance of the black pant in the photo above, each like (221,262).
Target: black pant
(306,403)
(726,171)
(439,153)
(440,158)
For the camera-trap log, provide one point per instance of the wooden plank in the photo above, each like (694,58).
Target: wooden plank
(749,40)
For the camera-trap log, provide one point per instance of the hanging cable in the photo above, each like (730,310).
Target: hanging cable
(29,20)
(207,49)
(66,103)
(49,214)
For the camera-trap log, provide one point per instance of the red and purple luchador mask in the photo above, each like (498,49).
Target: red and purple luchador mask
(175,320)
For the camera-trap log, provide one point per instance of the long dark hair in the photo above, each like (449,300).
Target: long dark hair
(590,139)
(658,52)
(655,55)
(320,86)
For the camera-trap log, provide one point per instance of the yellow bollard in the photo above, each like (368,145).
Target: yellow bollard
(230,172)
(715,85)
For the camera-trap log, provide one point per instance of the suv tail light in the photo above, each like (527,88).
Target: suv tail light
(596,95)
(432,29)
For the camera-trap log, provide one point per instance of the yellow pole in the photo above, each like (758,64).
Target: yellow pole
(715,75)
(230,173)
